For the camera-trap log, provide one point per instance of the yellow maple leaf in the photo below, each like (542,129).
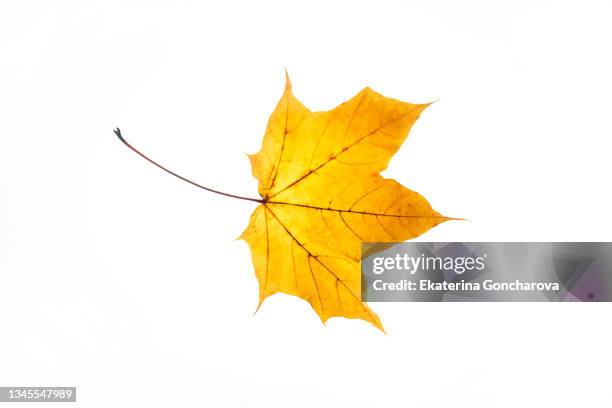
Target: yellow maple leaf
(322,197)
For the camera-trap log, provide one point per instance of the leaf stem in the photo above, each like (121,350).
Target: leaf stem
(118,134)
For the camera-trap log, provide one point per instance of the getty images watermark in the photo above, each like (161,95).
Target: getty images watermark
(486,271)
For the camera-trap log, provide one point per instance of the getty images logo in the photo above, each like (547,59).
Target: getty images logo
(412,264)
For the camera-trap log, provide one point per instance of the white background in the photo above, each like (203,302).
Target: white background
(128,283)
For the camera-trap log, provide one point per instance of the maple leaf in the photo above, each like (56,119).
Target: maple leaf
(322,196)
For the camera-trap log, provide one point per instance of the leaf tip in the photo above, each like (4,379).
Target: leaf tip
(287,81)
(426,105)
(258,306)
(458,219)
(367,90)
(375,321)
